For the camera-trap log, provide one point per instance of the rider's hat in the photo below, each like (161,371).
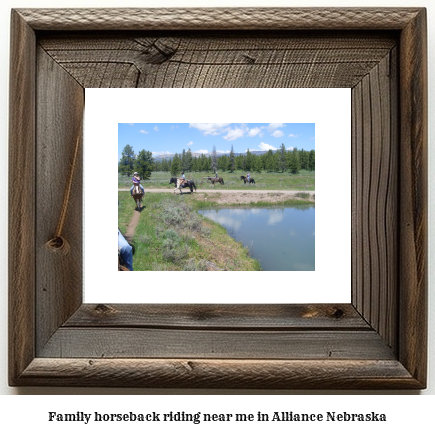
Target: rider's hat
(135,173)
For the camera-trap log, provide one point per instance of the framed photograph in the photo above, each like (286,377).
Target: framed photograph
(289,239)
(376,341)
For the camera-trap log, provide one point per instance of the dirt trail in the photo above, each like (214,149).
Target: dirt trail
(129,234)
(241,196)
(213,190)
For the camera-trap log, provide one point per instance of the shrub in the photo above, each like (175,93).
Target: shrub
(303,195)
(205,232)
(172,235)
(192,265)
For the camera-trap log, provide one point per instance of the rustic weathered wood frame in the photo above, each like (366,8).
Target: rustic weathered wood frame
(377,341)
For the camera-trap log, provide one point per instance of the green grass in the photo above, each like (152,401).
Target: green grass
(125,210)
(171,235)
(303,181)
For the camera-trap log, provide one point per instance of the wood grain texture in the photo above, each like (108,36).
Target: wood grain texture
(375,198)
(22,213)
(220,18)
(228,374)
(59,280)
(378,342)
(95,342)
(237,60)
(413,188)
(220,317)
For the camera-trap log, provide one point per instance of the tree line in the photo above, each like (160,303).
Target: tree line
(282,160)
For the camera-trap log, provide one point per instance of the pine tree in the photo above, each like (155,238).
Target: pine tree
(165,165)
(294,164)
(203,160)
(183,161)
(176,165)
(257,163)
(214,162)
(239,162)
(270,161)
(303,159)
(312,160)
(144,164)
(282,158)
(232,160)
(126,164)
(189,159)
(223,163)
(195,166)
(249,161)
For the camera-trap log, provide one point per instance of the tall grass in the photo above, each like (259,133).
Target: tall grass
(171,235)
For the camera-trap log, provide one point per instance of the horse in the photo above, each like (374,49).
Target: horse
(187,183)
(245,180)
(214,180)
(137,196)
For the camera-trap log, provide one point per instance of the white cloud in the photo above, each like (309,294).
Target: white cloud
(254,131)
(235,134)
(143,132)
(294,135)
(190,144)
(223,152)
(156,128)
(202,151)
(277,133)
(272,127)
(266,147)
(210,129)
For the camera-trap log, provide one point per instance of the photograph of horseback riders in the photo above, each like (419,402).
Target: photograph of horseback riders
(216,196)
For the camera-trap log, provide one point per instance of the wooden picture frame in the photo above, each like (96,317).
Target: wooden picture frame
(376,342)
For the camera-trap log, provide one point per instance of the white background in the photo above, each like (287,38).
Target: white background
(408,412)
(329,109)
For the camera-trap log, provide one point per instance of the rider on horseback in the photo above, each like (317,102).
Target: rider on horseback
(182,179)
(248,176)
(136,181)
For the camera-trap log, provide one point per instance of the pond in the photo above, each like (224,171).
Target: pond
(281,238)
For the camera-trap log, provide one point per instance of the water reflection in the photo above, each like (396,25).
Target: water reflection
(275,216)
(281,238)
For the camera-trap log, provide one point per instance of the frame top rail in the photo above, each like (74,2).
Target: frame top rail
(220,18)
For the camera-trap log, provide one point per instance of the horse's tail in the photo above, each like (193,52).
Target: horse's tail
(194,186)
(222,181)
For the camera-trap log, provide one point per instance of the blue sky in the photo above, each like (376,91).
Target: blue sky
(170,138)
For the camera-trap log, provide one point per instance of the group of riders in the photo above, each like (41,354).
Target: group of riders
(125,250)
